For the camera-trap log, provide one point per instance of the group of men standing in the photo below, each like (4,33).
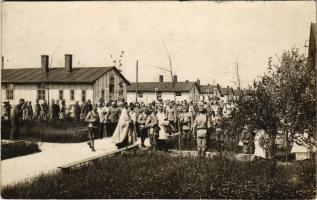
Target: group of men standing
(161,120)
(125,122)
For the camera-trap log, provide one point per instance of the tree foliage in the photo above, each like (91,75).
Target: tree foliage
(283,101)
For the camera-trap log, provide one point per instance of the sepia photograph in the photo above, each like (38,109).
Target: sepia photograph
(158,99)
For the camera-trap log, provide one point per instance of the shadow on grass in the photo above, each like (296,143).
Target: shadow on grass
(56,131)
(18,149)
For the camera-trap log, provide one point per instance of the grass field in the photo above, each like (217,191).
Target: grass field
(152,175)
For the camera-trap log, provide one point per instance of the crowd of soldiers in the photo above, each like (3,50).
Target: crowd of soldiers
(157,120)
(56,110)
(161,120)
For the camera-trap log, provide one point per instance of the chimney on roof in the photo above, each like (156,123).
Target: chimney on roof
(198,81)
(175,78)
(69,62)
(161,78)
(44,64)
(208,84)
(2,62)
(186,81)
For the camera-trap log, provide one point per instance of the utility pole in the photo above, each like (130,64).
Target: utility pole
(238,76)
(136,80)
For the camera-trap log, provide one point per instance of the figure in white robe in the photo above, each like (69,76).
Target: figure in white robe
(120,135)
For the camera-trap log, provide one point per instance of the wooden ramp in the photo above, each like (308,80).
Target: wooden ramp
(66,168)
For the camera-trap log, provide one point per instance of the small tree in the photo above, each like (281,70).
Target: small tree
(293,86)
(283,101)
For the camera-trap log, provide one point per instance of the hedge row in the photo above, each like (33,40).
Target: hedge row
(56,131)
(21,149)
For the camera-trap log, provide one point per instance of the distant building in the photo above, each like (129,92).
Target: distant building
(68,83)
(150,91)
(312,45)
(214,92)
(209,92)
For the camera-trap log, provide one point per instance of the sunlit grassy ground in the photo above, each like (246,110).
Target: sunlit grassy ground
(152,175)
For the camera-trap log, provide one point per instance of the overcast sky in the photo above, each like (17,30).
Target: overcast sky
(204,39)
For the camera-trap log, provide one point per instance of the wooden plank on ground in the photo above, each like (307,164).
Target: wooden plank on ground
(66,168)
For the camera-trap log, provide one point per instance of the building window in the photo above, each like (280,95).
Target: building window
(41,94)
(111,85)
(9,94)
(83,95)
(178,94)
(42,86)
(103,93)
(72,95)
(61,95)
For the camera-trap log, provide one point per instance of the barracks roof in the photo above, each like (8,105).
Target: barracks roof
(223,91)
(205,88)
(161,86)
(56,75)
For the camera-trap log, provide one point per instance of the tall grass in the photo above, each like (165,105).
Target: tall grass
(56,131)
(151,175)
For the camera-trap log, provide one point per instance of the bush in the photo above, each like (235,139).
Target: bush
(57,131)
(149,175)
(14,150)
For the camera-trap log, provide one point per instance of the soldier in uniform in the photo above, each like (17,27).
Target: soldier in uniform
(113,118)
(16,118)
(141,121)
(76,111)
(152,125)
(37,110)
(137,111)
(91,118)
(103,113)
(171,115)
(186,121)
(201,125)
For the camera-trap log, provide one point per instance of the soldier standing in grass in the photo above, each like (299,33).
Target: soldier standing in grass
(141,121)
(103,113)
(43,111)
(152,126)
(7,109)
(84,109)
(91,118)
(201,125)
(16,118)
(186,121)
(137,111)
(25,113)
(62,110)
(163,132)
(113,118)
(51,110)
(76,112)
(171,115)
(37,110)
(30,110)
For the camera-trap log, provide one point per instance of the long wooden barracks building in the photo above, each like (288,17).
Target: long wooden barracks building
(67,83)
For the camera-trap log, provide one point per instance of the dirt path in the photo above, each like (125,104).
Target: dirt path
(53,155)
